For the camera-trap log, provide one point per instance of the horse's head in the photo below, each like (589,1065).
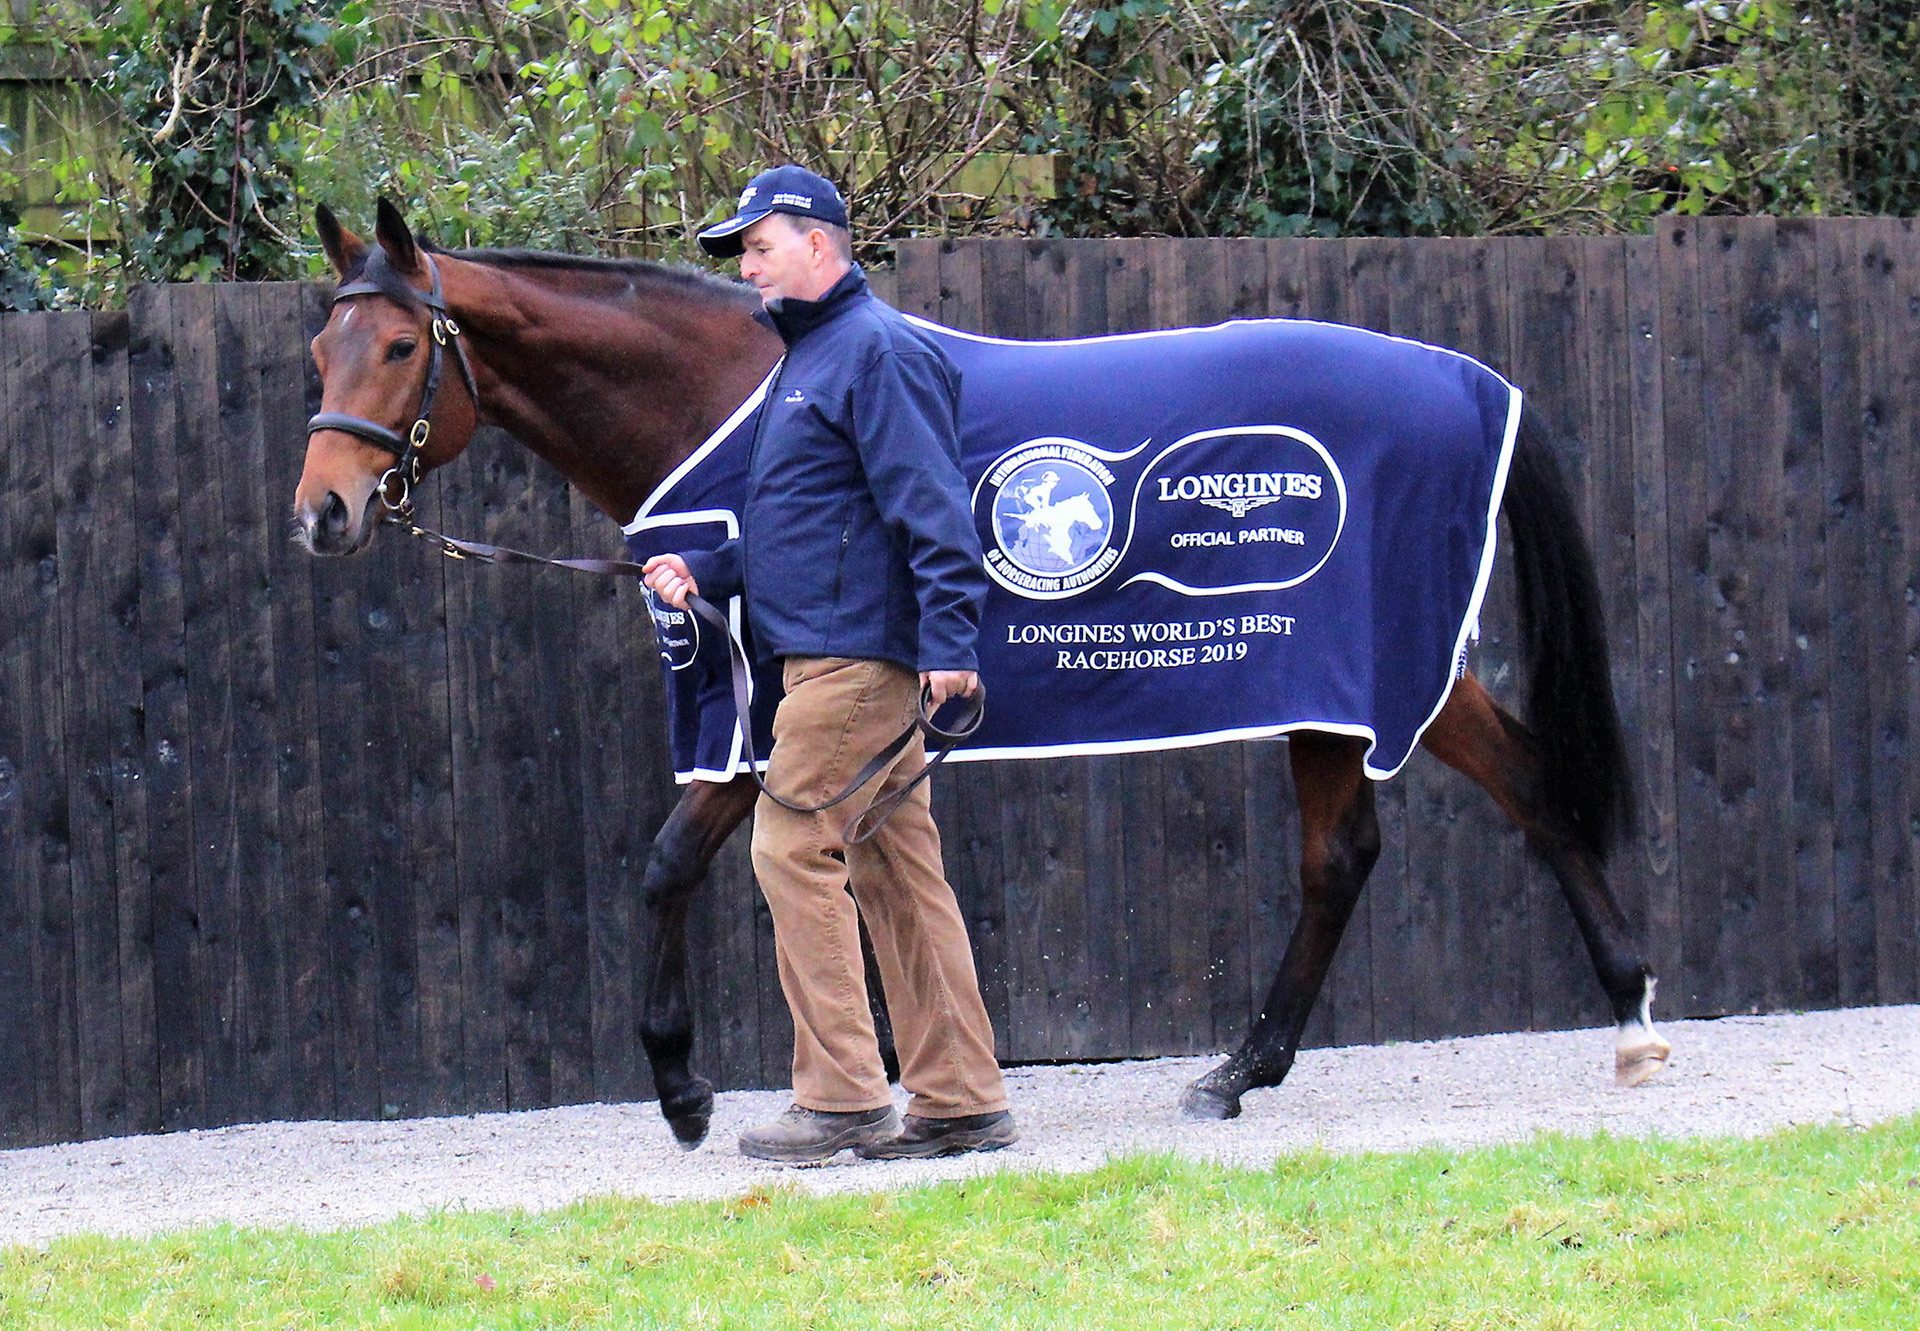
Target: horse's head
(390,410)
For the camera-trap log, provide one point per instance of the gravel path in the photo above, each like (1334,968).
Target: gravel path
(1735,1076)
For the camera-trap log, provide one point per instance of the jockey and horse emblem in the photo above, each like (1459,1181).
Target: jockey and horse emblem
(1052,519)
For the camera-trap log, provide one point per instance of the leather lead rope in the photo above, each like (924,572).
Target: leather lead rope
(860,829)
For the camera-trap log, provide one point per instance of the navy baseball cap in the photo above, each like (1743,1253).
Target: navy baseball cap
(785,189)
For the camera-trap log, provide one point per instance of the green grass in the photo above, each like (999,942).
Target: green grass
(1810,1228)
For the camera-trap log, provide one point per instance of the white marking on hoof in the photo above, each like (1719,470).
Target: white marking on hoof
(1639,1050)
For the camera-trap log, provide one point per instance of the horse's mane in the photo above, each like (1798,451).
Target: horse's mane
(681,277)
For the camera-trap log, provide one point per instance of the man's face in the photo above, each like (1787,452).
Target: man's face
(785,258)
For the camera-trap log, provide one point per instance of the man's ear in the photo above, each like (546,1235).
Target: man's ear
(344,250)
(390,229)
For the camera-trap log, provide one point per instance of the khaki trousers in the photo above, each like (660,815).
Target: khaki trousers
(836,715)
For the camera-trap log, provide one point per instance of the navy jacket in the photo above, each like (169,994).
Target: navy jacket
(857,536)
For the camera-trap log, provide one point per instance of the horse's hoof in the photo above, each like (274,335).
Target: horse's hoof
(690,1114)
(1635,1063)
(1204,1104)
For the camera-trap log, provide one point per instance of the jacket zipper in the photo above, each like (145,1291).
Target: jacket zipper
(840,568)
(753,451)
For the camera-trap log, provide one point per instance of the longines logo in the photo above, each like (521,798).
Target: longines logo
(1239,493)
(677,631)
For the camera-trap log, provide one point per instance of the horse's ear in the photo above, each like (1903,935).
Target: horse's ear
(390,229)
(343,248)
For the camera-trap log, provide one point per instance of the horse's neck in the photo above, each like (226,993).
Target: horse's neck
(612,381)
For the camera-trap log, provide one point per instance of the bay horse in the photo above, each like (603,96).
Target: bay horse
(614,371)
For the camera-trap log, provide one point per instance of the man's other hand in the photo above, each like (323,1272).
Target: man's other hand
(667,575)
(945,684)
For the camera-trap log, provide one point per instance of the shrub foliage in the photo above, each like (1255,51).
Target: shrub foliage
(621,125)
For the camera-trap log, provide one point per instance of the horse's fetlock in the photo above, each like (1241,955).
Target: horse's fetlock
(667,881)
(666,1042)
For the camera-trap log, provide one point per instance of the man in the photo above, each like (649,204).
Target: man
(862,572)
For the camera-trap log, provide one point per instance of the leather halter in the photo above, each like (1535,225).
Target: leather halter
(405,449)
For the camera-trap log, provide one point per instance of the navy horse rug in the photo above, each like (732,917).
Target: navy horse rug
(1193,536)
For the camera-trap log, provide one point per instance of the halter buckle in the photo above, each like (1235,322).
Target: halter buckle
(417,437)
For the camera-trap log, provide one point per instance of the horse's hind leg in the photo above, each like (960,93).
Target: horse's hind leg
(1475,737)
(685,845)
(1339,842)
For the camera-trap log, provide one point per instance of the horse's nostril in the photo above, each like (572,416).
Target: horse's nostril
(334,516)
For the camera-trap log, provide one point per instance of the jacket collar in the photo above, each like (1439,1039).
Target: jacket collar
(794,319)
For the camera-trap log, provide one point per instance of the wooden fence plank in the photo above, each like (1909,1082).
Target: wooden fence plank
(423,980)
(1043,811)
(1268,805)
(1890,288)
(353,611)
(1906,331)
(99,595)
(1808,972)
(120,646)
(42,393)
(467,492)
(26,545)
(1738,498)
(1308,279)
(1465,870)
(1218,280)
(967,799)
(179,1075)
(1606,343)
(1543,288)
(1099,1019)
(210,639)
(1774,350)
(610,630)
(1847,542)
(1399,972)
(262,1034)
(1652,860)
(1689,448)
(289,318)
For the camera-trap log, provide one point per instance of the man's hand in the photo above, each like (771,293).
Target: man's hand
(945,684)
(667,575)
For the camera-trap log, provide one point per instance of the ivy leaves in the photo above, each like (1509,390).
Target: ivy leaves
(208,93)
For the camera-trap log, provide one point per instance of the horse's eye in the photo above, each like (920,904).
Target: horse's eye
(401,350)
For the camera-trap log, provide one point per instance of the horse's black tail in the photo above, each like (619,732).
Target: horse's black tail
(1585,778)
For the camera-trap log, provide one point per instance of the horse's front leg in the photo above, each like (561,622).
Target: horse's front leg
(693,833)
(1339,842)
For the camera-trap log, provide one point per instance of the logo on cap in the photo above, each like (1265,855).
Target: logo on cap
(745,195)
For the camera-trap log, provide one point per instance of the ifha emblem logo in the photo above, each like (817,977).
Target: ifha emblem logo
(1051,518)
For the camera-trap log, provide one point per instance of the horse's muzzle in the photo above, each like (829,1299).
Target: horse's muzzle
(329,527)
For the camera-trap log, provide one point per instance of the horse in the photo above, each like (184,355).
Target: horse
(614,371)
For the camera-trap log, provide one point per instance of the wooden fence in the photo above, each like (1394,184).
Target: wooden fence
(292,838)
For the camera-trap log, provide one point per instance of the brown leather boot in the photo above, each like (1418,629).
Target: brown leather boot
(808,1136)
(924,1138)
